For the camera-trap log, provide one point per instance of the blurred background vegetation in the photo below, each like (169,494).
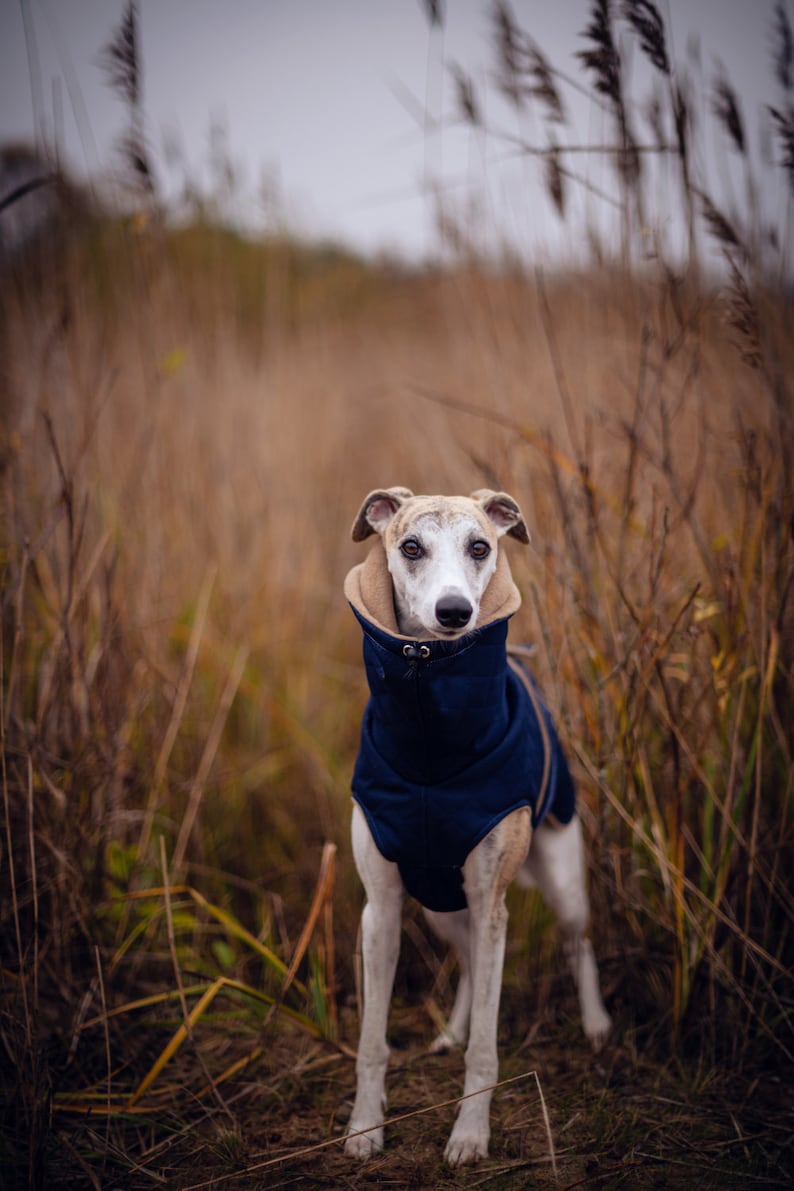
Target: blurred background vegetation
(190,421)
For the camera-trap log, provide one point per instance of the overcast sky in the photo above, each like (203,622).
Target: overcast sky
(322,102)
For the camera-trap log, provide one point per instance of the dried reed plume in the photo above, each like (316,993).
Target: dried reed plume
(122,62)
(466,96)
(435,12)
(783,61)
(508,36)
(647,23)
(726,109)
(783,48)
(785,130)
(682,119)
(742,316)
(720,227)
(121,58)
(554,179)
(603,60)
(526,72)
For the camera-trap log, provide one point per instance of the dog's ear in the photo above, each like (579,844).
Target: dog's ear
(503,512)
(378,510)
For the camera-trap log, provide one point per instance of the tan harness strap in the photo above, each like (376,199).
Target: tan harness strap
(513,653)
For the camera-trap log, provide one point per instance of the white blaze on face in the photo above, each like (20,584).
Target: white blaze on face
(440,568)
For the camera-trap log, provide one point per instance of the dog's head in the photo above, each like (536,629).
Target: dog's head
(441,553)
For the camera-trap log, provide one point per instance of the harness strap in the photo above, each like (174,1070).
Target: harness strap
(514,654)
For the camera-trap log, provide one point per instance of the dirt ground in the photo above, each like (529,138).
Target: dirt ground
(622,1118)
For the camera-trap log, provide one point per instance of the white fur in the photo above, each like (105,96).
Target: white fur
(446,568)
(445,528)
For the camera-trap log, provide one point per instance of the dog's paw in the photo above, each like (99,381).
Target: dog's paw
(364,1145)
(466,1145)
(443,1043)
(597,1024)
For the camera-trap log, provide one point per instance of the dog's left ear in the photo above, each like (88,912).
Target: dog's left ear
(504,512)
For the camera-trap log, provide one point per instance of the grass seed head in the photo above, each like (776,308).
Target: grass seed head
(646,21)
(719,226)
(524,70)
(435,12)
(555,179)
(742,315)
(784,121)
(603,59)
(121,57)
(726,109)
(783,47)
(466,96)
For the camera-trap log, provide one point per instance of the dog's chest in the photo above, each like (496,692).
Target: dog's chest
(436,709)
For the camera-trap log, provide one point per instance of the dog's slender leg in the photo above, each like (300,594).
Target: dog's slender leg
(556,864)
(454,929)
(489,869)
(380,945)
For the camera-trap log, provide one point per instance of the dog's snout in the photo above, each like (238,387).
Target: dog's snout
(453,611)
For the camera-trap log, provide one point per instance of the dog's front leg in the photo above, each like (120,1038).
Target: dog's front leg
(488,870)
(380,945)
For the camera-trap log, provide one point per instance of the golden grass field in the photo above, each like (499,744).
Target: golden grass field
(181,677)
(189,423)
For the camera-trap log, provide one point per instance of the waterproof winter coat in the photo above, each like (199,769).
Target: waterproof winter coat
(454,737)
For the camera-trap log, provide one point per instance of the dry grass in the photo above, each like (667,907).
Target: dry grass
(180,669)
(189,425)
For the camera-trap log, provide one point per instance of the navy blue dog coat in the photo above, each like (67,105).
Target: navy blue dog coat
(454,738)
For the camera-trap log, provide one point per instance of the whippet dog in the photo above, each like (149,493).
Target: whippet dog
(460,786)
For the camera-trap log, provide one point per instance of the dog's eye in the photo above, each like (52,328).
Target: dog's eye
(479,550)
(411,548)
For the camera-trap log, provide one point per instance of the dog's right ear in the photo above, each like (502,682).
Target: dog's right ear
(378,510)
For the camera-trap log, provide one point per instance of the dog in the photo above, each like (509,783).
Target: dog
(460,786)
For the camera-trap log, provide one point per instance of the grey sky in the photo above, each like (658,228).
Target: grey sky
(317,100)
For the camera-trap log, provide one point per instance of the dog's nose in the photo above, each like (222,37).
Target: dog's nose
(453,611)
